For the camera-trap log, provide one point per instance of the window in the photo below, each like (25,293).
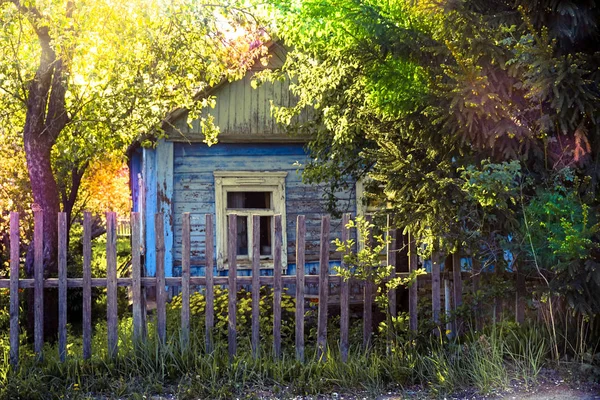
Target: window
(248,193)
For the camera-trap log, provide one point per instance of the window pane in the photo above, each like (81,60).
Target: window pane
(249,200)
(265,236)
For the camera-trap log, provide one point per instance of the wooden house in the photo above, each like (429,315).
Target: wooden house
(254,169)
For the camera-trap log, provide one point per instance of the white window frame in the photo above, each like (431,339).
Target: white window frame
(249,181)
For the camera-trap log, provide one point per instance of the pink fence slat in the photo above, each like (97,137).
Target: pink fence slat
(457,282)
(210,290)
(277,288)
(345,298)
(161,290)
(232,279)
(323,289)
(38,275)
(14,288)
(435,289)
(136,277)
(413,290)
(87,285)
(255,285)
(300,249)
(111,284)
(368,298)
(62,286)
(185,280)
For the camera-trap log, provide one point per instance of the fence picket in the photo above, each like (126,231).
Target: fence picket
(521,292)
(62,285)
(391,261)
(435,289)
(476,282)
(87,285)
(210,290)
(323,289)
(231,312)
(344,297)
(136,276)
(111,284)
(185,280)
(277,288)
(255,285)
(161,290)
(300,249)
(413,291)
(457,278)
(14,288)
(368,297)
(38,275)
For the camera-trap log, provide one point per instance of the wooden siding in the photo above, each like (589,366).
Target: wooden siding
(194,191)
(243,113)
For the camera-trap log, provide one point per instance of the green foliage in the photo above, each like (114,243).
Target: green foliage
(243,314)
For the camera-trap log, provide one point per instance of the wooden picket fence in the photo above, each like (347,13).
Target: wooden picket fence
(137,282)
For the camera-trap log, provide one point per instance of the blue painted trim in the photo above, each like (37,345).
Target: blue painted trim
(164,194)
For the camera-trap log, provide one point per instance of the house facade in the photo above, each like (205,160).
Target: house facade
(255,169)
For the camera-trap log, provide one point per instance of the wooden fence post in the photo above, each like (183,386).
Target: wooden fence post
(38,273)
(185,280)
(435,289)
(323,289)
(255,285)
(300,249)
(232,258)
(136,277)
(391,261)
(476,276)
(344,297)
(521,293)
(14,288)
(368,297)
(62,286)
(277,288)
(210,313)
(161,290)
(448,302)
(87,285)
(111,284)
(413,290)
(457,278)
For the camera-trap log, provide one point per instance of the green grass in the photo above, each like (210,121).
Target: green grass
(485,361)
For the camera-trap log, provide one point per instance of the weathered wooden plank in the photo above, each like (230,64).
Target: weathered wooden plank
(14,288)
(448,302)
(435,289)
(414,288)
(323,289)
(521,294)
(255,285)
(344,297)
(368,298)
(185,281)
(499,299)
(476,284)
(391,262)
(136,276)
(86,283)
(300,244)
(62,286)
(161,290)
(38,275)
(210,294)
(457,282)
(232,280)
(111,284)
(277,287)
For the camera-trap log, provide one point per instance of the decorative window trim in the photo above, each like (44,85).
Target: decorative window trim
(249,181)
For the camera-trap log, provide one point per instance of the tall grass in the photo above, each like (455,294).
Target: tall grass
(485,361)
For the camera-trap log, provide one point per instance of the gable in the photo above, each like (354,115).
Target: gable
(243,113)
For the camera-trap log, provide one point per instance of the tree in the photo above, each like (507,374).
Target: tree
(82,79)
(425,97)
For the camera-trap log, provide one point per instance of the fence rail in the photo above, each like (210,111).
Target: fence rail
(139,283)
